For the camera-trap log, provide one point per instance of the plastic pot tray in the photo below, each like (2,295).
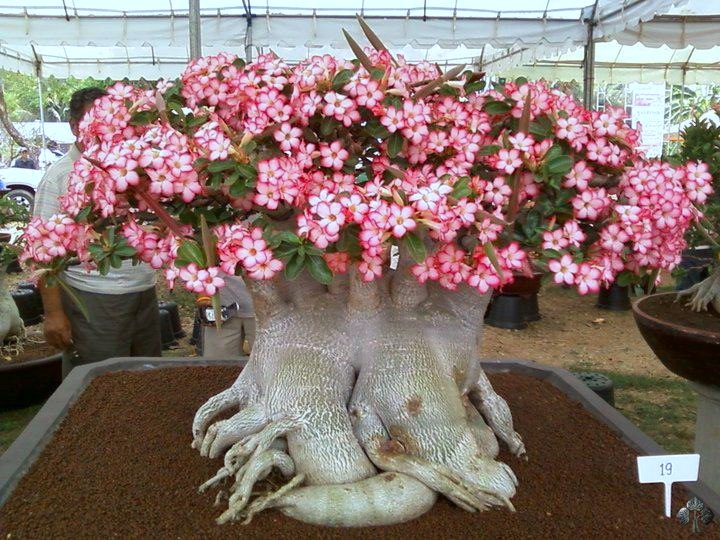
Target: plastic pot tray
(17,460)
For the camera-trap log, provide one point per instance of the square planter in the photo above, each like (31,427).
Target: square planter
(559,493)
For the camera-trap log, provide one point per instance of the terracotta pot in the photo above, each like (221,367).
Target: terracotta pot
(691,353)
(25,383)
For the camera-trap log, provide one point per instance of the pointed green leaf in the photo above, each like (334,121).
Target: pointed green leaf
(415,246)
(319,269)
(496,107)
(294,266)
(287,236)
(490,252)
(222,165)
(191,251)
(489,150)
(395,144)
(559,165)
(341,78)
(462,188)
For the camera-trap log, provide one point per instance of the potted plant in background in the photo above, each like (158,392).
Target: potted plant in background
(29,372)
(12,328)
(700,142)
(683,328)
(409,192)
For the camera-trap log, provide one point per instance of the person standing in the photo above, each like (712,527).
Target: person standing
(236,335)
(24,161)
(123,317)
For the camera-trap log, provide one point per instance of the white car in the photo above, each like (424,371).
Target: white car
(22,185)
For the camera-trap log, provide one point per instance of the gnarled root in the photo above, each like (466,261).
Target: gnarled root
(383,499)
(705,293)
(497,413)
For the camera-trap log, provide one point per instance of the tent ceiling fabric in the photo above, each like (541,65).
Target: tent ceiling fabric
(149,38)
(618,63)
(679,47)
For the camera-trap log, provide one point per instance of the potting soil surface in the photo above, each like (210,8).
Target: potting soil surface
(666,308)
(121,466)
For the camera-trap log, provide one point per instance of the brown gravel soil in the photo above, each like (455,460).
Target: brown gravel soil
(121,466)
(665,308)
(573,332)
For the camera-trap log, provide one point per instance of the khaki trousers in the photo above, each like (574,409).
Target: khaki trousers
(228,341)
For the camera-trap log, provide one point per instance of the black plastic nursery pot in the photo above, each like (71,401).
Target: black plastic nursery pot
(695,264)
(29,304)
(507,311)
(25,383)
(167,335)
(172,309)
(614,298)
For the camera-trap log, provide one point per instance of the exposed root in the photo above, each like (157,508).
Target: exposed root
(253,471)
(389,455)
(225,433)
(259,442)
(484,435)
(268,501)
(705,293)
(12,346)
(496,412)
(240,393)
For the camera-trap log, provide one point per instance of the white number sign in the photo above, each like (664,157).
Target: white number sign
(666,470)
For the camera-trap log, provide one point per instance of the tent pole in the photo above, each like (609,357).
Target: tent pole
(194,29)
(589,68)
(248,41)
(42,116)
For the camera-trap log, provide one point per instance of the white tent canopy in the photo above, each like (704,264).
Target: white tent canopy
(680,47)
(149,37)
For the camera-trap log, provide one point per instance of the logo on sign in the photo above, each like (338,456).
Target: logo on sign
(695,511)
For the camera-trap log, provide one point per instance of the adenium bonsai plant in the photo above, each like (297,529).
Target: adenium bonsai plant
(701,142)
(372,206)
(11,325)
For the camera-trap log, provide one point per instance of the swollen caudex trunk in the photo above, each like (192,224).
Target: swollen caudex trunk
(380,376)
(11,325)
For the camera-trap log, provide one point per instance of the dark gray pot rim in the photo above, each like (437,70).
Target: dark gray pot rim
(19,366)
(668,326)
(18,459)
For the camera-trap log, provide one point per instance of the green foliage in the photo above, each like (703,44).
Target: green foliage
(11,213)
(110,251)
(415,246)
(21,95)
(701,142)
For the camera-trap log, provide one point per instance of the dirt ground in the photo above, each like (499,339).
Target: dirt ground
(573,333)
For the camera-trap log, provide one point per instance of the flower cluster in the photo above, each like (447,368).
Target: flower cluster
(337,161)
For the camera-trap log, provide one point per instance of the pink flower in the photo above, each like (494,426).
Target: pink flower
(400,220)
(564,269)
(288,136)
(201,280)
(333,155)
(265,267)
(587,279)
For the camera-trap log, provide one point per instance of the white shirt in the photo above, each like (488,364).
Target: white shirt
(126,279)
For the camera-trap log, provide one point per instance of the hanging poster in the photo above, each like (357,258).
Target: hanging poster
(647,116)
